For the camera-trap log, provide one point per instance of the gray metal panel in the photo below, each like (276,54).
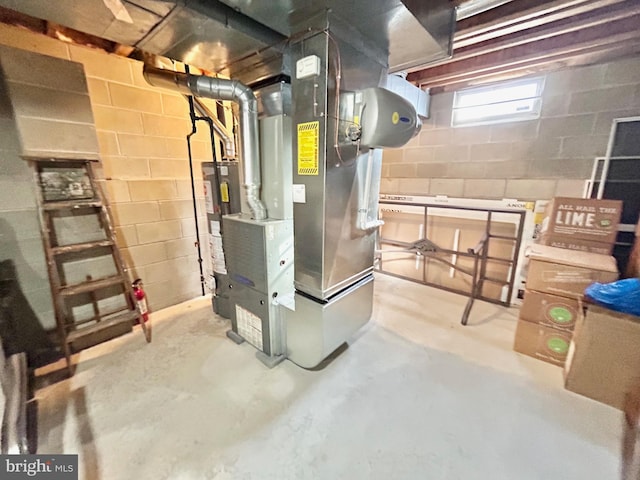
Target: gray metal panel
(410,44)
(275,151)
(261,305)
(438,17)
(200,34)
(255,302)
(258,252)
(229,173)
(274,100)
(93,16)
(274,13)
(221,301)
(314,330)
(198,40)
(51,105)
(331,252)
(410,30)
(245,39)
(245,253)
(260,263)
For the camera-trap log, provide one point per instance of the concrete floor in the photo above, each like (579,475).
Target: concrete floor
(415,396)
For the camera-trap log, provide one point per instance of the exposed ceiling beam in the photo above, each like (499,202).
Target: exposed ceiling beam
(586,46)
(541,15)
(549,36)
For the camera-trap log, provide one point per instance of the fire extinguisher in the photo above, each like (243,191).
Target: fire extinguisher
(141,299)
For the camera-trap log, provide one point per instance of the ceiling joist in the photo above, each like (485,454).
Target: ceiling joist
(503,43)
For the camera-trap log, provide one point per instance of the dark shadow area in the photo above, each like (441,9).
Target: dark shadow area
(329,360)
(32,424)
(56,372)
(20,328)
(89,453)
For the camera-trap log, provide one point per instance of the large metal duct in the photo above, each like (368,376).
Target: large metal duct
(230,90)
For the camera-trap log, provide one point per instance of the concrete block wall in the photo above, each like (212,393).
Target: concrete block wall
(144,167)
(20,241)
(51,105)
(527,160)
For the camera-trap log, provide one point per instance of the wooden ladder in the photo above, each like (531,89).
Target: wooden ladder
(68,193)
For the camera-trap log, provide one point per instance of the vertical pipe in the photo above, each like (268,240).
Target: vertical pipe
(193,192)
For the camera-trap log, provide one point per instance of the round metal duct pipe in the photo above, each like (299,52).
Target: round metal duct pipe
(230,90)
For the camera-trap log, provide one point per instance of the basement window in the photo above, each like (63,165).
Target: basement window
(512,101)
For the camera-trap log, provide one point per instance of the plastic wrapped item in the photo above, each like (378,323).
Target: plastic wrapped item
(621,296)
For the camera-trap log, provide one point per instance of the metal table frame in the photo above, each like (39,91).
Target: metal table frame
(480,254)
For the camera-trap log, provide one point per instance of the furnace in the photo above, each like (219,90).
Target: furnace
(293,269)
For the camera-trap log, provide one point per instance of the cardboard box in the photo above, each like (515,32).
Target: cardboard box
(550,310)
(566,272)
(578,244)
(604,358)
(544,343)
(584,218)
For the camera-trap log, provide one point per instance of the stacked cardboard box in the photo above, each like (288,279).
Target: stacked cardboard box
(555,287)
(573,247)
(604,358)
(581,224)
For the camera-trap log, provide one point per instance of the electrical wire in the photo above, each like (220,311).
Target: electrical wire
(337,67)
(338,77)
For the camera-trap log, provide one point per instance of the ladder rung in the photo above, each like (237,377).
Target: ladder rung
(69,204)
(102,326)
(79,247)
(92,285)
(54,161)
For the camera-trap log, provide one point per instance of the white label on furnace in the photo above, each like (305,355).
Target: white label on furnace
(215,228)
(217,253)
(299,193)
(208,196)
(249,326)
(224,171)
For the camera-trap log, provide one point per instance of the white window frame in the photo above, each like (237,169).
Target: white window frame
(512,101)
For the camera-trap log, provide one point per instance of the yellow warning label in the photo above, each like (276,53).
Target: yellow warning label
(308,148)
(224,192)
